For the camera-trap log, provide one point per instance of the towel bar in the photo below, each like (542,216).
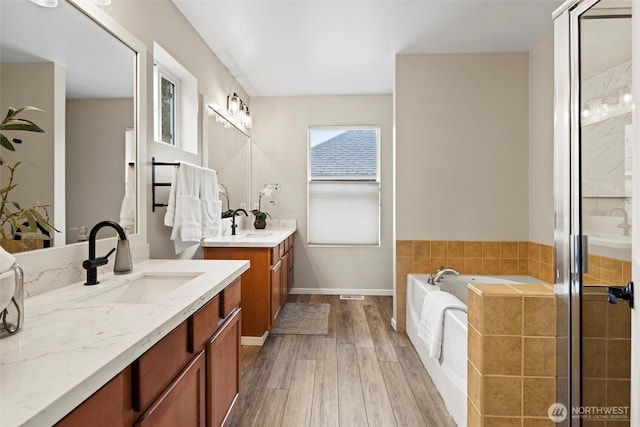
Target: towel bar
(155,184)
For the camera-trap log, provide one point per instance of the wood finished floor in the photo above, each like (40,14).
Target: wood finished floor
(362,373)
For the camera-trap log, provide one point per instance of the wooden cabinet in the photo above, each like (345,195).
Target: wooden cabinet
(276,291)
(265,286)
(191,377)
(182,403)
(223,370)
(105,408)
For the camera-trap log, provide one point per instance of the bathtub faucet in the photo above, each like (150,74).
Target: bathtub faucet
(443,271)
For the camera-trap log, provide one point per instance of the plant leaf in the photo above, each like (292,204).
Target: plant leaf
(6,143)
(29,127)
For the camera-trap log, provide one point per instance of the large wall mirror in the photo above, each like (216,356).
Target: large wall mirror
(228,150)
(84,164)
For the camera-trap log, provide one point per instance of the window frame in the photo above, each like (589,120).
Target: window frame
(363,181)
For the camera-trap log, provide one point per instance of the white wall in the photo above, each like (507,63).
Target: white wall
(96,159)
(541,205)
(160,21)
(35,84)
(279,154)
(462,166)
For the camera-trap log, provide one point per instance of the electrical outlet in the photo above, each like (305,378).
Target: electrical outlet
(243,206)
(255,206)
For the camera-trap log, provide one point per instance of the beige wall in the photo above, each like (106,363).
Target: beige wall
(35,84)
(95,159)
(462,146)
(541,205)
(279,154)
(160,21)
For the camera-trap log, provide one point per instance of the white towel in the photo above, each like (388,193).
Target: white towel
(435,304)
(170,214)
(211,205)
(7,278)
(187,212)
(128,207)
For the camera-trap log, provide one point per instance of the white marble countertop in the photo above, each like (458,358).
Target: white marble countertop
(68,348)
(267,238)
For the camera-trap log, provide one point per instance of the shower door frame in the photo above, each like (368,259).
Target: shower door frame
(569,259)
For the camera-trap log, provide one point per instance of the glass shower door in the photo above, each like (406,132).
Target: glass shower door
(605,114)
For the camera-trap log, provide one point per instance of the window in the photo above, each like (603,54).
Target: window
(175,103)
(343,186)
(166,101)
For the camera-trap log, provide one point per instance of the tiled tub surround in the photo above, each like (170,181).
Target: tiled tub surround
(511,355)
(606,347)
(468,257)
(68,349)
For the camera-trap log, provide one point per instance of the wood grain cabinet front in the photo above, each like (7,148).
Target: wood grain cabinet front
(265,286)
(182,403)
(105,408)
(223,370)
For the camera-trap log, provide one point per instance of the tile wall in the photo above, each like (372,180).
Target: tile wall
(511,355)
(468,257)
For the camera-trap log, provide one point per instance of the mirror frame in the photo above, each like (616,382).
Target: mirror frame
(209,109)
(43,258)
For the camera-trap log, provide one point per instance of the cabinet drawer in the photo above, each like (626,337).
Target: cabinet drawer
(104,408)
(275,255)
(155,369)
(290,240)
(231,298)
(183,402)
(203,324)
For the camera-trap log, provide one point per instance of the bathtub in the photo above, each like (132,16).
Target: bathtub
(449,374)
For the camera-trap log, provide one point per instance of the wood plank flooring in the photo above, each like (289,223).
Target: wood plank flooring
(362,373)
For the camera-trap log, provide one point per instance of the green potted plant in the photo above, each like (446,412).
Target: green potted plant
(18,224)
(261,217)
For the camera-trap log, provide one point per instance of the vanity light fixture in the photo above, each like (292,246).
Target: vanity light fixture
(46,3)
(239,110)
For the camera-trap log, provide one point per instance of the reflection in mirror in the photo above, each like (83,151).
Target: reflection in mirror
(605,114)
(84,163)
(228,149)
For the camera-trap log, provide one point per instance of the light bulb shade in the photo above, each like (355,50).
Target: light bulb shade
(233,104)
(247,121)
(46,3)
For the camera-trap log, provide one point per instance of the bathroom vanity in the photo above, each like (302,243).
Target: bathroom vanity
(266,285)
(160,346)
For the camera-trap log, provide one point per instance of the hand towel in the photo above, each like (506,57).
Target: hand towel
(435,304)
(170,214)
(187,221)
(211,205)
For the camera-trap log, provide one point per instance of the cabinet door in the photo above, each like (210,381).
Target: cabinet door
(284,279)
(183,402)
(223,370)
(276,291)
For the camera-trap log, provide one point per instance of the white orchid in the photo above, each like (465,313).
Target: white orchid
(222,191)
(265,190)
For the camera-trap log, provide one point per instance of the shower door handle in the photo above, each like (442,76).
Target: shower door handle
(580,253)
(626,293)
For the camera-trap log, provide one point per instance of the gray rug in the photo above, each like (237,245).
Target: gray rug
(302,319)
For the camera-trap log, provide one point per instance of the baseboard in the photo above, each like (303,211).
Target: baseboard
(257,341)
(394,325)
(331,291)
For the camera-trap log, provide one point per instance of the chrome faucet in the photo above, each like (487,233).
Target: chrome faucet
(233,220)
(441,272)
(625,220)
(122,264)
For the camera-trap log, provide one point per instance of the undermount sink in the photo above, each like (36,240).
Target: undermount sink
(145,288)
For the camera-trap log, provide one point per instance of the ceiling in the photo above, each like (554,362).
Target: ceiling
(319,47)
(97,65)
